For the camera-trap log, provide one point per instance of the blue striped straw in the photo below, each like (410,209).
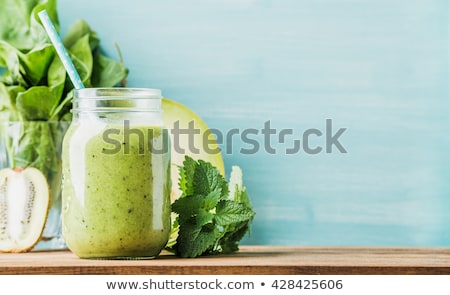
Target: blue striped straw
(61,50)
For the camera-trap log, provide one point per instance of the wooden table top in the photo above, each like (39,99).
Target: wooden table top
(249,260)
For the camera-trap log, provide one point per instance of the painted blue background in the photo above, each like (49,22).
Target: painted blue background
(378,68)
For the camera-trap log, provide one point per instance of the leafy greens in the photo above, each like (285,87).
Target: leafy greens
(33,81)
(213,215)
(34,87)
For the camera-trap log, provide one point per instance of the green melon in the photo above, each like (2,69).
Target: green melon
(199,149)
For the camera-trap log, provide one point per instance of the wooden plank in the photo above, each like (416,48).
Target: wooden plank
(249,260)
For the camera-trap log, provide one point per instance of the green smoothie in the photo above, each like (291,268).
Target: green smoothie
(116,191)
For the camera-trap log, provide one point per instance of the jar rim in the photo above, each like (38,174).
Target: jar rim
(117,99)
(116,92)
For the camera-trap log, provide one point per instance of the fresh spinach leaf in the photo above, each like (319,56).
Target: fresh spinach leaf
(35,63)
(56,76)
(9,59)
(8,94)
(62,111)
(77,31)
(82,57)
(19,26)
(37,103)
(36,146)
(107,72)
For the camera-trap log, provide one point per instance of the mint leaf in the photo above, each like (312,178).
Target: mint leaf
(212,215)
(229,241)
(195,245)
(208,179)
(190,205)
(203,217)
(187,172)
(187,206)
(228,212)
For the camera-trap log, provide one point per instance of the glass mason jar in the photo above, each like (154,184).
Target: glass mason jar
(116,175)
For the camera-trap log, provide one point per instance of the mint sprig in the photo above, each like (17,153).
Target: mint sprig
(212,214)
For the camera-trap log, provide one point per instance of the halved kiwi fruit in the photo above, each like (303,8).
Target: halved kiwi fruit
(24,204)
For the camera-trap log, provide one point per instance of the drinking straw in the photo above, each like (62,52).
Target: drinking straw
(61,50)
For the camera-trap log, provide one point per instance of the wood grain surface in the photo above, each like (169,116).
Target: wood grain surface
(249,260)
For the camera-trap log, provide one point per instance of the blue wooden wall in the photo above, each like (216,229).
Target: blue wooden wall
(379,68)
